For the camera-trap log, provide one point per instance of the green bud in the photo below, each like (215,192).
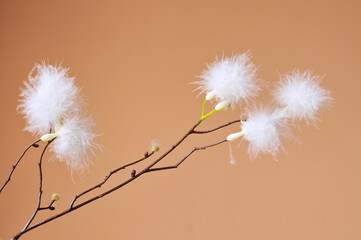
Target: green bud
(55,197)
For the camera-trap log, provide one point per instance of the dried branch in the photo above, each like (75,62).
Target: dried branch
(72,207)
(219,127)
(146,155)
(183,159)
(34,144)
(40,186)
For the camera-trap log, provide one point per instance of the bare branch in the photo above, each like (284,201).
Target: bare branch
(219,127)
(34,144)
(40,186)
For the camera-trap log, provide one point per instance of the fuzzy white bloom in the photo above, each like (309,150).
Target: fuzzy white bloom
(301,95)
(74,142)
(230,79)
(49,95)
(263,130)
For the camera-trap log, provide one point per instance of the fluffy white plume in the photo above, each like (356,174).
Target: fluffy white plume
(301,95)
(74,142)
(230,79)
(49,95)
(263,130)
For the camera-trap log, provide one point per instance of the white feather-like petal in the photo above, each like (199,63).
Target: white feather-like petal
(74,142)
(233,79)
(301,94)
(263,130)
(49,95)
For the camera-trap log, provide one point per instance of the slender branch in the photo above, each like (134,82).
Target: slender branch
(34,144)
(49,207)
(219,127)
(40,186)
(72,207)
(146,155)
(183,159)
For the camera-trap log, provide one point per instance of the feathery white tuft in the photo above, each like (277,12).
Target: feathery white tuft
(231,79)
(49,95)
(75,142)
(301,95)
(263,130)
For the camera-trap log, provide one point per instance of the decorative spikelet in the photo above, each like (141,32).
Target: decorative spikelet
(300,94)
(49,95)
(231,79)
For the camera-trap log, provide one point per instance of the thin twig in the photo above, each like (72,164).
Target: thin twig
(183,159)
(219,127)
(34,144)
(40,186)
(146,155)
(49,207)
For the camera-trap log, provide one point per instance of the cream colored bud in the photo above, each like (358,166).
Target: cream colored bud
(222,105)
(55,197)
(57,125)
(48,137)
(210,96)
(234,136)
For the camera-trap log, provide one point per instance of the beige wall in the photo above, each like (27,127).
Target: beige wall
(135,60)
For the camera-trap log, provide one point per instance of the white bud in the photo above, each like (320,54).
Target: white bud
(210,95)
(222,105)
(234,136)
(48,137)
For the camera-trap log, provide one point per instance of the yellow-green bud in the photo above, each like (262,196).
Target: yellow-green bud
(155,148)
(55,197)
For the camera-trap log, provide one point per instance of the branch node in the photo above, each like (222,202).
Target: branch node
(133,173)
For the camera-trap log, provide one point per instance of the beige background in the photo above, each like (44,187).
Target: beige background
(134,61)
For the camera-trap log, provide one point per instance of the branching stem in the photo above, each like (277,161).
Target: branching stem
(34,144)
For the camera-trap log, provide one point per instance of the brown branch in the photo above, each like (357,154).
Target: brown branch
(146,155)
(72,207)
(34,144)
(40,186)
(183,159)
(219,127)
(49,207)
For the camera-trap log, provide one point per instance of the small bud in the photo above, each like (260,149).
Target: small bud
(55,197)
(52,208)
(155,148)
(57,125)
(210,96)
(155,145)
(234,136)
(48,137)
(222,105)
(146,154)
(35,145)
(133,173)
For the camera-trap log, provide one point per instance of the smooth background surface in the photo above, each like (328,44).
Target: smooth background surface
(134,61)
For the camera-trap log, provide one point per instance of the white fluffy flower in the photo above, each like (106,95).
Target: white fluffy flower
(230,79)
(74,142)
(301,95)
(49,95)
(263,130)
